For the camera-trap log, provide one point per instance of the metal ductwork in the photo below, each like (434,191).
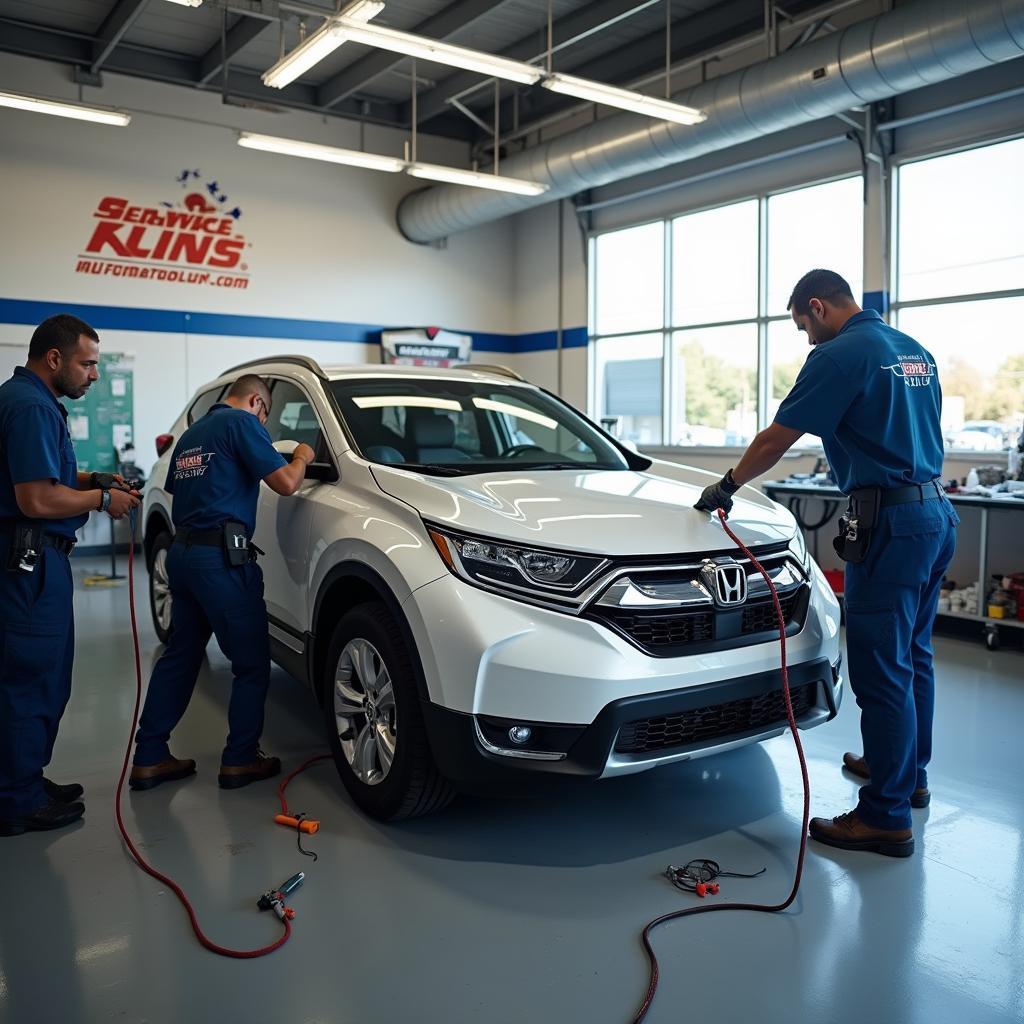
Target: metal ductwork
(915,45)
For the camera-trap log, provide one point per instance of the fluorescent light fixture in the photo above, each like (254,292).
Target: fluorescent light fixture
(436,51)
(406,401)
(187,3)
(478,179)
(312,151)
(517,411)
(100,115)
(323,42)
(624,99)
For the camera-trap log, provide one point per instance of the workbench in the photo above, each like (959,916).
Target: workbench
(794,493)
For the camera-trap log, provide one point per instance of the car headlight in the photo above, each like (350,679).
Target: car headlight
(799,548)
(509,567)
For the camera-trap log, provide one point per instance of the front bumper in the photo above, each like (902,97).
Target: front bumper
(688,723)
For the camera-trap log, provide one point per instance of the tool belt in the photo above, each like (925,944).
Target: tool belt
(232,538)
(857,523)
(27,539)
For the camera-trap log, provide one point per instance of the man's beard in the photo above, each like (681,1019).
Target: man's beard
(66,388)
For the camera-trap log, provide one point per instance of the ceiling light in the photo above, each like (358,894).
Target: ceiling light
(323,42)
(435,51)
(100,115)
(479,179)
(624,99)
(187,3)
(312,151)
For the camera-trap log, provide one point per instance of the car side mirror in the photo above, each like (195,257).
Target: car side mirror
(322,471)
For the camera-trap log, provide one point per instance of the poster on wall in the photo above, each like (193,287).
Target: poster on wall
(102,421)
(425,346)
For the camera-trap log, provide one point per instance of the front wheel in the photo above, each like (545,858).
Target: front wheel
(160,587)
(373,719)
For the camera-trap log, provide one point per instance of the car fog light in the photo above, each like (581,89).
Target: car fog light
(520,734)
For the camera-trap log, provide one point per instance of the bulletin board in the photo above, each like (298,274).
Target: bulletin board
(102,422)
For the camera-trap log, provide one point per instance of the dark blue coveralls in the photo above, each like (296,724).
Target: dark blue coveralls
(37,626)
(873,396)
(214,476)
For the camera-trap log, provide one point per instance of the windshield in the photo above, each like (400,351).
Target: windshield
(460,427)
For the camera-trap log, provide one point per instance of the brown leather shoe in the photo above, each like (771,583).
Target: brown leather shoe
(855,765)
(234,776)
(151,775)
(848,832)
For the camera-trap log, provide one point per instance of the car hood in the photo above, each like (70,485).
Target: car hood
(608,512)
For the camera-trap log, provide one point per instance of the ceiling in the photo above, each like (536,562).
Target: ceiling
(616,41)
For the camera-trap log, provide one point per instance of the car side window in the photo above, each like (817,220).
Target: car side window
(205,402)
(292,416)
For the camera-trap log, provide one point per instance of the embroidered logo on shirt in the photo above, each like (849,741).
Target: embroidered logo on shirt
(191,463)
(915,370)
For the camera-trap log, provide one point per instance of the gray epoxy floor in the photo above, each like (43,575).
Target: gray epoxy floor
(511,911)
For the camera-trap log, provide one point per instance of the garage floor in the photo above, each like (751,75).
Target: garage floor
(515,910)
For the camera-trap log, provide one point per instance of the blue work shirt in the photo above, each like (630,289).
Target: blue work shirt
(216,469)
(34,445)
(873,396)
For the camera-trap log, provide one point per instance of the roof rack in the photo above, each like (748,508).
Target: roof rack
(495,368)
(304,361)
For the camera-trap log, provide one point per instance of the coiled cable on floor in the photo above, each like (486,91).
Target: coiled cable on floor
(237,954)
(773,908)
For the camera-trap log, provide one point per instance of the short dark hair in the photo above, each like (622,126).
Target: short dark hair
(250,384)
(819,284)
(60,332)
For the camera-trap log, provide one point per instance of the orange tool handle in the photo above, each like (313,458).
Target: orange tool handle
(307,826)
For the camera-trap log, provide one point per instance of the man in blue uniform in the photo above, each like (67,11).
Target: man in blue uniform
(43,501)
(873,396)
(216,585)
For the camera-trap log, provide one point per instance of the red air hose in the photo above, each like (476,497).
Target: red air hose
(237,954)
(761,907)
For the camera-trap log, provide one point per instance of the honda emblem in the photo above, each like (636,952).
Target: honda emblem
(727,581)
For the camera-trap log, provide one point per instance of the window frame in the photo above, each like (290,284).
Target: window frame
(669,328)
(895,304)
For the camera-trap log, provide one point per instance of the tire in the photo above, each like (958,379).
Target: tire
(373,720)
(159,588)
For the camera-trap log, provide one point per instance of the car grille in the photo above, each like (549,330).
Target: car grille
(718,721)
(673,634)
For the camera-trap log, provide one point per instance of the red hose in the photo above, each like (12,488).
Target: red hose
(237,954)
(652,986)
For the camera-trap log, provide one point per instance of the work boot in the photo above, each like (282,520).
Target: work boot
(65,794)
(235,776)
(152,775)
(848,832)
(859,767)
(52,814)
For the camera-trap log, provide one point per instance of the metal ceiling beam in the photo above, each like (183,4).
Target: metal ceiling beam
(438,26)
(572,27)
(112,31)
(239,36)
(178,69)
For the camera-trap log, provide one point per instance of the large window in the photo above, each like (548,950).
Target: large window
(960,286)
(689,321)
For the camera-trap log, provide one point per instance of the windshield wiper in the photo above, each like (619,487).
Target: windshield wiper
(430,468)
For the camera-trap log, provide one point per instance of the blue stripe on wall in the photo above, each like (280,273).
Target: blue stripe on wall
(160,321)
(878,301)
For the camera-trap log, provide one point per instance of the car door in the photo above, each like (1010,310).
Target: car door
(282,524)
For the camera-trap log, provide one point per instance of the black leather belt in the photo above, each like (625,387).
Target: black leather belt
(904,495)
(65,545)
(204,538)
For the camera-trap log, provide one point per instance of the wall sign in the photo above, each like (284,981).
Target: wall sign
(193,240)
(425,346)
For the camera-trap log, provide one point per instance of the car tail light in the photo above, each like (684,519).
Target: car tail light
(163,442)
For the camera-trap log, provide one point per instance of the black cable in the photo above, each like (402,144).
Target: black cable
(298,837)
(701,871)
(795,506)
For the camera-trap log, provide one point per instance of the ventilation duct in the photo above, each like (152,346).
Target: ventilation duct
(915,45)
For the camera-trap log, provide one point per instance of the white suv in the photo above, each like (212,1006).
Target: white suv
(478,584)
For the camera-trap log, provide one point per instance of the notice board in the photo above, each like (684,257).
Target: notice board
(102,421)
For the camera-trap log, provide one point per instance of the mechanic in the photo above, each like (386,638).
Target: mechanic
(872,394)
(216,586)
(44,499)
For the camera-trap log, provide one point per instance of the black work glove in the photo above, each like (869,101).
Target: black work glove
(718,495)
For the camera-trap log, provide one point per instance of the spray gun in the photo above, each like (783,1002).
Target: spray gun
(273,899)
